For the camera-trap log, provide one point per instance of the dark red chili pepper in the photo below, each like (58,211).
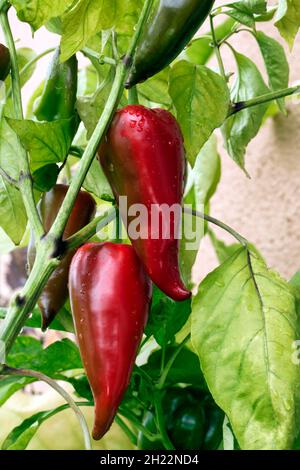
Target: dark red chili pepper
(110,298)
(4,62)
(55,292)
(143,158)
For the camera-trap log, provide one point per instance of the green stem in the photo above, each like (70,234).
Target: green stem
(170,363)
(135,421)
(273,95)
(126,430)
(25,301)
(133,97)
(91,229)
(31,63)
(161,422)
(102,59)
(25,182)
(40,376)
(217,48)
(217,222)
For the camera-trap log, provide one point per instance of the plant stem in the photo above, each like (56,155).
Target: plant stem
(217,222)
(90,54)
(217,48)
(91,229)
(25,181)
(161,422)
(25,301)
(31,63)
(133,97)
(274,95)
(170,363)
(40,376)
(134,420)
(126,430)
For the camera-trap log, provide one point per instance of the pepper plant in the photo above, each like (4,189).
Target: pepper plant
(218,370)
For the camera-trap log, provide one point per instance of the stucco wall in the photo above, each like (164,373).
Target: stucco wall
(264,208)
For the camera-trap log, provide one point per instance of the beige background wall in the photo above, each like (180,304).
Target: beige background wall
(266,208)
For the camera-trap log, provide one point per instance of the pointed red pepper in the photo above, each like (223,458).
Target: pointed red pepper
(110,297)
(143,158)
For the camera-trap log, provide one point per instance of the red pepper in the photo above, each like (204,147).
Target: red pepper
(143,158)
(110,297)
(5,62)
(55,292)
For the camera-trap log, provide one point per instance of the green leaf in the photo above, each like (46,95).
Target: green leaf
(267,16)
(82,387)
(37,13)
(11,385)
(287,20)
(87,81)
(201,99)
(47,142)
(25,55)
(222,250)
(256,6)
(6,245)
(156,88)
(240,128)
(13,217)
(45,178)
(20,436)
(88,17)
(242,17)
(276,64)
(244,324)
(90,108)
(185,369)
(295,283)
(167,317)
(55,361)
(202,184)
(200,49)
(96,182)
(250,6)
(10,149)
(56,358)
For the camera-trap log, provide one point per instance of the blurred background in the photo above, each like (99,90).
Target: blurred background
(264,209)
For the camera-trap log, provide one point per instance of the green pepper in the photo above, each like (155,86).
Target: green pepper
(193,421)
(59,94)
(170,27)
(214,418)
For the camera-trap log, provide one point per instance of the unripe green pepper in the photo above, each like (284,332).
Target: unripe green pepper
(170,27)
(59,94)
(192,420)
